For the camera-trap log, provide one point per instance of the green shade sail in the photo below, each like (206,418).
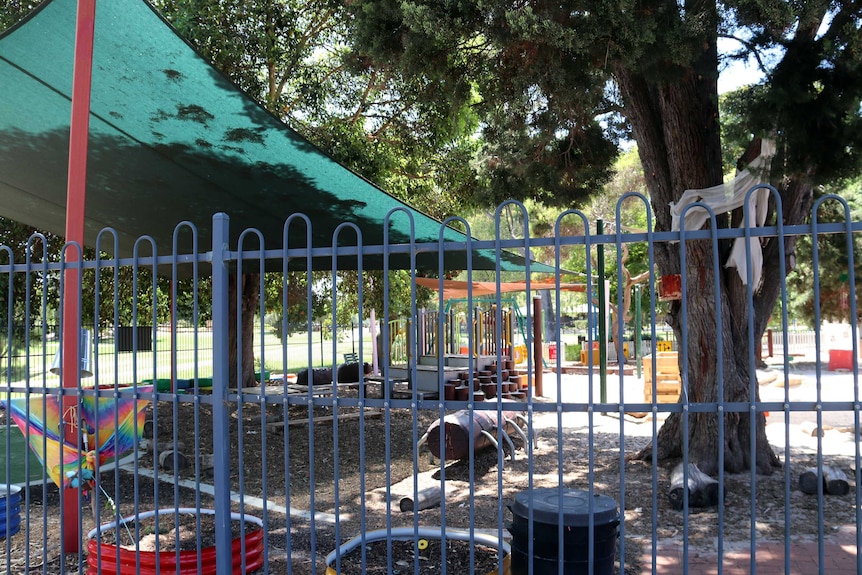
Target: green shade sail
(171,140)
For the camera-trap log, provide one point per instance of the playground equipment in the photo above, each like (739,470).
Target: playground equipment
(457,330)
(458,428)
(488,341)
(668,383)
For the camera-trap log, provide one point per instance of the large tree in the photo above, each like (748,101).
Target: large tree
(557,83)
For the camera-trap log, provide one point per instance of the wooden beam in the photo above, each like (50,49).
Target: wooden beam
(323,419)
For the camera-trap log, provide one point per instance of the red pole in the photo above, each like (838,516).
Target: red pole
(75,199)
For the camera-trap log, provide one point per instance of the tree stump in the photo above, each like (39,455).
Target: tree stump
(703,490)
(834,481)
(167,460)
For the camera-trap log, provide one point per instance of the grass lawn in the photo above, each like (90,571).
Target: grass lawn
(192,358)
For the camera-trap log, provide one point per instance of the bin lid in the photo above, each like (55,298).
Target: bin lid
(546,504)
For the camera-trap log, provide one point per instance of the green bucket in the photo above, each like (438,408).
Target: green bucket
(162,385)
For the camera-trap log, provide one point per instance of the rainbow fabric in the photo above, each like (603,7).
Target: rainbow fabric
(110,428)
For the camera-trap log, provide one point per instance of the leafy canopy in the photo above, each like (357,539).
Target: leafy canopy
(544,79)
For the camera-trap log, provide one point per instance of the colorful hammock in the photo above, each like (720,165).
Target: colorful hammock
(120,425)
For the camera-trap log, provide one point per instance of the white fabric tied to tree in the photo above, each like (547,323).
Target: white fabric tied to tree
(727,197)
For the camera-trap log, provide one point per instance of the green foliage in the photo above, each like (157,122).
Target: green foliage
(399,295)
(192,300)
(346,295)
(257,44)
(628,177)
(515,71)
(834,266)
(129,295)
(544,80)
(291,293)
(573,352)
(12,11)
(736,131)
(23,296)
(814,92)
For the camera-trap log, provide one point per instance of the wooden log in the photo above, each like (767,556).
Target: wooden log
(834,481)
(703,490)
(166,460)
(458,427)
(349,372)
(810,428)
(425,499)
(275,425)
(345,373)
(808,481)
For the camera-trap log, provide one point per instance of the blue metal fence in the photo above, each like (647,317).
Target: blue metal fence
(461,448)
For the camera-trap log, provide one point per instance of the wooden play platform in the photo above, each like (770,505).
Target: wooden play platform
(668,383)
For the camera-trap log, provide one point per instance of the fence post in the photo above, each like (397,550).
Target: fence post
(603,324)
(221,416)
(537,345)
(638,341)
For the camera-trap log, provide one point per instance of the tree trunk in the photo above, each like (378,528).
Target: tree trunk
(699,364)
(250,296)
(737,366)
(675,122)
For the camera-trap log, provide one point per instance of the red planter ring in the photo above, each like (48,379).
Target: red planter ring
(102,557)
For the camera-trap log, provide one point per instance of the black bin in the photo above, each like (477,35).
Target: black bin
(125,338)
(575,505)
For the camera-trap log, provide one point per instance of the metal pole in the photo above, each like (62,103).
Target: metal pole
(173,335)
(221,376)
(537,344)
(637,342)
(76,194)
(603,328)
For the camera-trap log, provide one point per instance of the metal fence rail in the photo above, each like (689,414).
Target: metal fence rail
(286,478)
